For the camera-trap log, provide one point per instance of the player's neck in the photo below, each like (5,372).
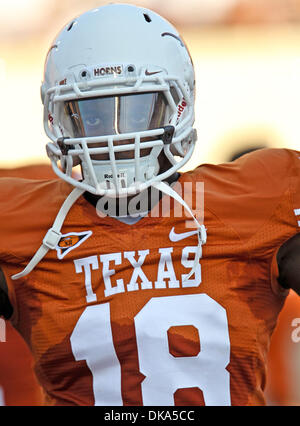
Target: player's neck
(119,209)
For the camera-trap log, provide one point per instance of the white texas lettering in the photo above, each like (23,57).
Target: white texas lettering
(137,272)
(166,276)
(165,270)
(107,273)
(86,263)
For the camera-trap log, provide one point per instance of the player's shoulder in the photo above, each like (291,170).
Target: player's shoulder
(30,171)
(245,193)
(262,168)
(275,159)
(27,210)
(19,194)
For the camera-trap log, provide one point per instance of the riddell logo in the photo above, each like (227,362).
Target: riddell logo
(108,70)
(180,109)
(110,176)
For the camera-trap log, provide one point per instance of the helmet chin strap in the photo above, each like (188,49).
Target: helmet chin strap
(54,234)
(202,235)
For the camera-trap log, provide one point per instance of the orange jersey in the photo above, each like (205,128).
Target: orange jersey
(18,383)
(283,361)
(32,171)
(110,315)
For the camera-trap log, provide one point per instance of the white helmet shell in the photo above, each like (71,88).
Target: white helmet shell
(115,51)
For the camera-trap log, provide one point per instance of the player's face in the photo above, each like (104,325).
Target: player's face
(116,115)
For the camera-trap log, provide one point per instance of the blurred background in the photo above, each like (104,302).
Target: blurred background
(246,55)
(247,60)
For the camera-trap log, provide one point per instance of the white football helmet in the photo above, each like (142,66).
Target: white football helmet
(118,92)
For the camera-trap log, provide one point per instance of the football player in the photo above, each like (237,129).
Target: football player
(283,386)
(138,284)
(18,383)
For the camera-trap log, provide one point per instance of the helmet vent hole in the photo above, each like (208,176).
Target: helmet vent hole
(147,17)
(70,26)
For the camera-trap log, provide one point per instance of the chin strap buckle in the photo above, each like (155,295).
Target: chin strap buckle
(52,238)
(53,235)
(202,234)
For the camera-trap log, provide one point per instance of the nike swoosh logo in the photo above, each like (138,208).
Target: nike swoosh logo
(151,73)
(178,237)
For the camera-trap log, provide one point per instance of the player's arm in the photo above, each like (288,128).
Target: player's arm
(6,309)
(288,259)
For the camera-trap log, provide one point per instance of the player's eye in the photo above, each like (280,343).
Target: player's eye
(92,121)
(138,120)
